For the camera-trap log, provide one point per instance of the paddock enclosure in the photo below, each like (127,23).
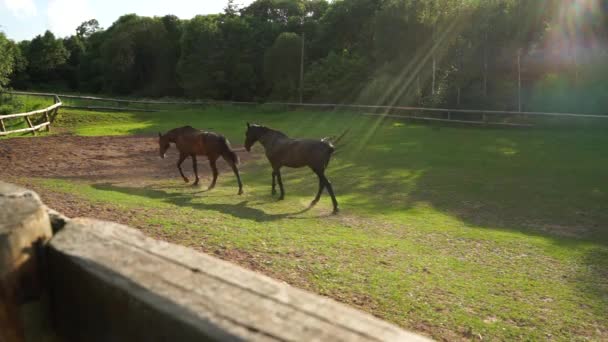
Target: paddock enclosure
(451,230)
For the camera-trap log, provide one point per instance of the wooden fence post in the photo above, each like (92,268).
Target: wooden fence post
(46,116)
(29,123)
(2,127)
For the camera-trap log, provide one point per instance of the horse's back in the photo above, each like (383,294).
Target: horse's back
(305,152)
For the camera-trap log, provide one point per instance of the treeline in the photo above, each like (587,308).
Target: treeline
(490,54)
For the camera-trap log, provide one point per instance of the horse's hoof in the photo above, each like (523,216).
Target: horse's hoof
(313,203)
(281,198)
(336,211)
(211,187)
(186,180)
(195,184)
(240,192)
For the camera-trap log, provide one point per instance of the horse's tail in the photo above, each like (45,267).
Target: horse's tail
(227,151)
(333,142)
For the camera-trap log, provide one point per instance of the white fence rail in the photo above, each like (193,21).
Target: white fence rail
(455,115)
(49,114)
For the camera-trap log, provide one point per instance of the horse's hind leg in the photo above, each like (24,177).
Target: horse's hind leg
(195,168)
(182,157)
(274,183)
(331,193)
(235,169)
(214,170)
(321,186)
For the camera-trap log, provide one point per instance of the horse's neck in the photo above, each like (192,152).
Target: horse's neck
(271,137)
(171,136)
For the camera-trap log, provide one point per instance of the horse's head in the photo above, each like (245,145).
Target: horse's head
(163,144)
(253,134)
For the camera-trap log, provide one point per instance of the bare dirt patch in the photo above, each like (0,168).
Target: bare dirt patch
(94,158)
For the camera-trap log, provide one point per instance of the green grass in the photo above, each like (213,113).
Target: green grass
(453,231)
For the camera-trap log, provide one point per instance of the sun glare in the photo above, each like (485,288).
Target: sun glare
(575,28)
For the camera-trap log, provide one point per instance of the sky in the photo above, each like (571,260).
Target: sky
(25,19)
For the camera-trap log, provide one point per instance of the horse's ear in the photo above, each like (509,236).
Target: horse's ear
(248,125)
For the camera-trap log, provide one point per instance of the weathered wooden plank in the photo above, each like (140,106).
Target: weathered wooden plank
(471,122)
(142,288)
(39,111)
(24,227)
(2,127)
(37,127)
(329,105)
(115,109)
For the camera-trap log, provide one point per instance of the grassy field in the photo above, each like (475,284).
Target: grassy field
(459,233)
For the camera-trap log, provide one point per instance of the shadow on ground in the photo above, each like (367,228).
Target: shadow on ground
(240,210)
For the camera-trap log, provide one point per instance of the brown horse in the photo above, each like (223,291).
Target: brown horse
(282,150)
(191,142)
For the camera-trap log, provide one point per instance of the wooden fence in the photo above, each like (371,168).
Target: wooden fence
(48,115)
(449,115)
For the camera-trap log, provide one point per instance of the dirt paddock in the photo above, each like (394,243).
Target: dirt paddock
(124,159)
(96,158)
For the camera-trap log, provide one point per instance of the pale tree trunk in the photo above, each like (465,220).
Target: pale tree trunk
(434,72)
(519,79)
(576,76)
(418,89)
(302,68)
(434,63)
(485,66)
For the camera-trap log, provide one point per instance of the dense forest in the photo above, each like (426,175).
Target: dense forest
(550,55)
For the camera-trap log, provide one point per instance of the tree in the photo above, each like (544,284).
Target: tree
(198,69)
(7,59)
(69,71)
(139,56)
(46,56)
(282,65)
(87,28)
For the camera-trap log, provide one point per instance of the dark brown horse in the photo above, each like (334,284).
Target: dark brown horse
(191,142)
(284,151)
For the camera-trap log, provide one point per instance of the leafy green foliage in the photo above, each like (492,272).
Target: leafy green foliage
(282,65)
(7,59)
(455,53)
(87,28)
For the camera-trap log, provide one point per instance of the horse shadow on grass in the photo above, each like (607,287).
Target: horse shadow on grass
(240,210)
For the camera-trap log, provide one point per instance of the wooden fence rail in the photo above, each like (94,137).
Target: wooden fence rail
(49,115)
(479,116)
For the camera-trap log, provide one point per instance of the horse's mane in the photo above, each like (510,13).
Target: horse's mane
(172,134)
(274,132)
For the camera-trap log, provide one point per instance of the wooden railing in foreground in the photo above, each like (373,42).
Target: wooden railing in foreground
(463,116)
(88,280)
(49,114)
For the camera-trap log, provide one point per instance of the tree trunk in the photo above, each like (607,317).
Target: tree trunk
(485,67)
(302,67)
(519,80)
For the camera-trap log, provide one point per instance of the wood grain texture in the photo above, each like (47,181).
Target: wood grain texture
(138,288)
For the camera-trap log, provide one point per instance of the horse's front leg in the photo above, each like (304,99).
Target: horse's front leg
(195,168)
(181,159)
(280,181)
(274,183)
